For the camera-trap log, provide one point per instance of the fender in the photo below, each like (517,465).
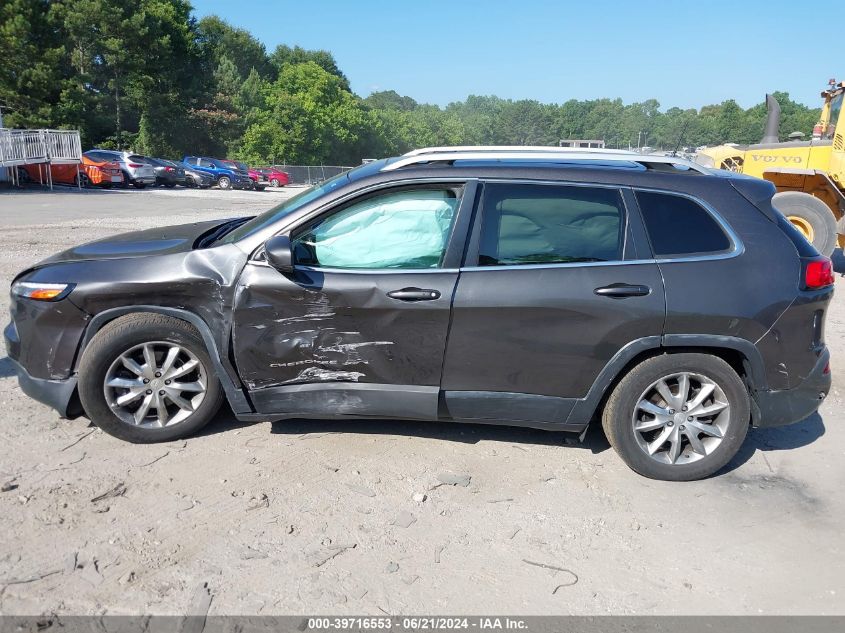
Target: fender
(222,367)
(585,408)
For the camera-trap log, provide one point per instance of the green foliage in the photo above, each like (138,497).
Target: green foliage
(285,55)
(146,75)
(219,39)
(309,117)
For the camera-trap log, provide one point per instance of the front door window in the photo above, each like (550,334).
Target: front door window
(405,230)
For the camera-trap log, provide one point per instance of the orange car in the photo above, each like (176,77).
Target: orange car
(91,172)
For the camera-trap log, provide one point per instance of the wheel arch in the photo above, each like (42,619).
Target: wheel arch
(234,393)
(813,182)
(740,354)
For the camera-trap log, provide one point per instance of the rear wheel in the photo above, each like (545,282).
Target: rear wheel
(811,216)
(82,180)
(224,182)
(148,378)
(139,185)
(274,182)
(678,417)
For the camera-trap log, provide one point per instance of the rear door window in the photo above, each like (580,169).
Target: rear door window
(679,226)
(550,224)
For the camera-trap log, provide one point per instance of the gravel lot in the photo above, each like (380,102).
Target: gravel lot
(305,517)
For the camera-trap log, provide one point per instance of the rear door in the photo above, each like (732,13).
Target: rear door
(553,288)
(359,327)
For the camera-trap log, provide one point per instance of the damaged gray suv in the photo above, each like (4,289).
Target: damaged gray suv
(520,286)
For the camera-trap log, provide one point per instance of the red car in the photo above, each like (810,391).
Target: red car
(90,172)
(272,175)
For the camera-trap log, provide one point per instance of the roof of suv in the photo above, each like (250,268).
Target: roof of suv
(549,163)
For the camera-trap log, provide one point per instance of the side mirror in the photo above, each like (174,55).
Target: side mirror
(279,253)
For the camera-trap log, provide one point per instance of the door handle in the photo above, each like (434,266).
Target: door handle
(414,294)
(620,291)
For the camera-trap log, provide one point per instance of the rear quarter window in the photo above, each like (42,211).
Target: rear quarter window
(679,226)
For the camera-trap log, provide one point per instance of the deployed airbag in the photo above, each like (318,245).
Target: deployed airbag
(402,230)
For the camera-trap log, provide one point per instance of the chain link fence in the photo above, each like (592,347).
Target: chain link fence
(311,174)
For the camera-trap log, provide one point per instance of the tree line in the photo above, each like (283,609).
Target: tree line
(149,76)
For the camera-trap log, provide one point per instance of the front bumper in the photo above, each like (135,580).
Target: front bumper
(57,394)
(777,408)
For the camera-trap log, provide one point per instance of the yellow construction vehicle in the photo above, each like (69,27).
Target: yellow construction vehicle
(809,174)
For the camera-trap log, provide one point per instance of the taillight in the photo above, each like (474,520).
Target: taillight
(135,165)
(818,273)
(169,169)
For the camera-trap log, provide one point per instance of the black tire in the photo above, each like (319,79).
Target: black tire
(274,182)
(224,182)
(618,416)
(809,210)
(139,185)
(82,180)
(170,185)
(127,180)
(116,338)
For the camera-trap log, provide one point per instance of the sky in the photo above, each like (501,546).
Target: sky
(682,53)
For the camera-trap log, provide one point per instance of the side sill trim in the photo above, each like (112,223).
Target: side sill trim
(330,399)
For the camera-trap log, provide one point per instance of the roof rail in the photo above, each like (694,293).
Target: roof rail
(528,149)
(549,155)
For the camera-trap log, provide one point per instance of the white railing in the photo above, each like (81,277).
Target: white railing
(22,147)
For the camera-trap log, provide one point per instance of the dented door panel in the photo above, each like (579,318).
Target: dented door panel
(327,327)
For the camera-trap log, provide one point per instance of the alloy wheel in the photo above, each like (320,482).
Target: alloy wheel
(155,384)
(681,418)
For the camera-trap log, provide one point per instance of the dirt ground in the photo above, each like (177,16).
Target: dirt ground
(304,517)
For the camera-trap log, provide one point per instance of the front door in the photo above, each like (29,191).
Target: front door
(359,328)
(553,291)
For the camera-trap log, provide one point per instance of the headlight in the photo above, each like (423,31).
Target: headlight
(41,292)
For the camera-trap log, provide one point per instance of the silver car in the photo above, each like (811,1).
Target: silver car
(135,168)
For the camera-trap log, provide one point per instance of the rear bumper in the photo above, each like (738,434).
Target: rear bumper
(56,394)
(143,179)
(777,408)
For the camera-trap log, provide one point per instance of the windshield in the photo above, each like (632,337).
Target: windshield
(835,109)
(288,206)
(301,199)
(233,164)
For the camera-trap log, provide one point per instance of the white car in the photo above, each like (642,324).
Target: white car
(136,170)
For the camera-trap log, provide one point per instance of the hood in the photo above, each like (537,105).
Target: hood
(158,241)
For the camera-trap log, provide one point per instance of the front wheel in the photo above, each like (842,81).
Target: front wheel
(809,215)
(274,182)
(148,378)
(678,417)
(224,182)
(139,185)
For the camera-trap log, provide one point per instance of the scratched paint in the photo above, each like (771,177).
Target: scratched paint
(307,328)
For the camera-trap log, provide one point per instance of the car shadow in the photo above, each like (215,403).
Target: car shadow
(225,421)
(7,367)
(780,438)
(37,188)
(766,439)
(465,433)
